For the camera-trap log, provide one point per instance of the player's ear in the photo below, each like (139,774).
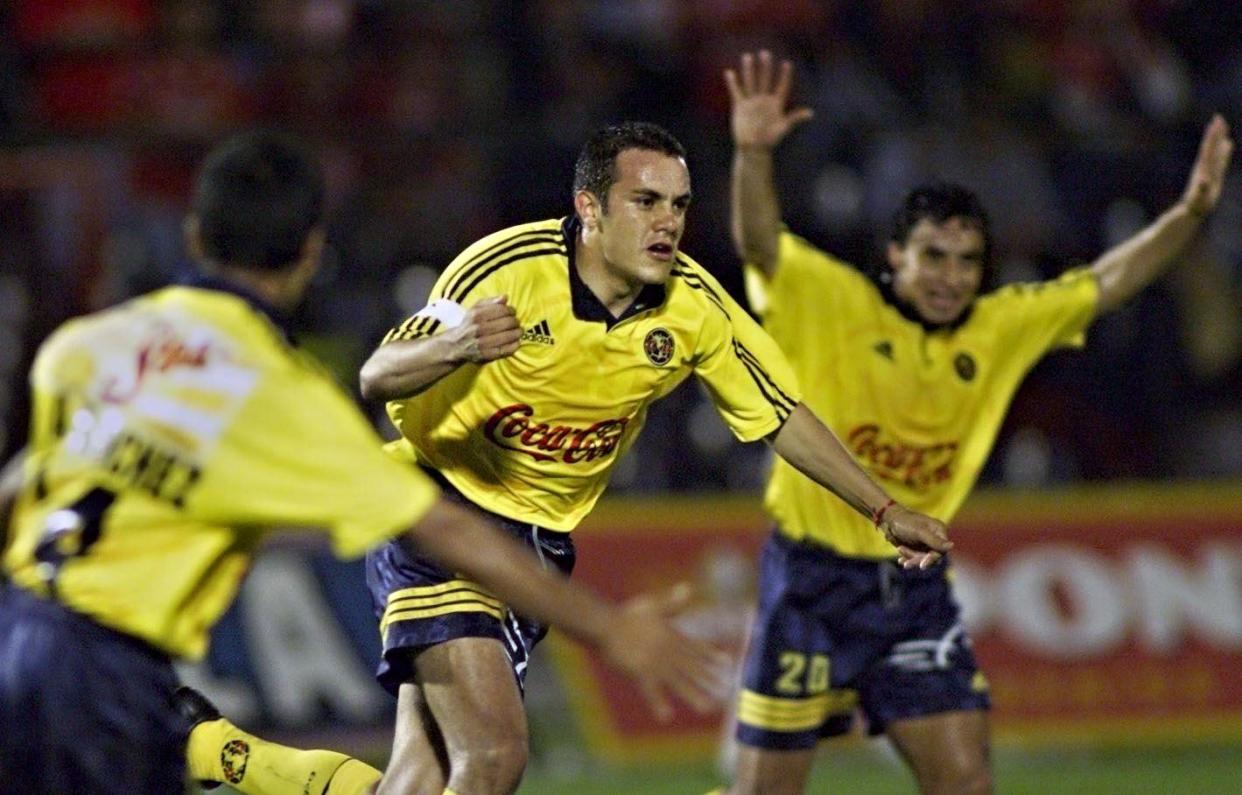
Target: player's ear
(896,257)
(192,235)
(587,205)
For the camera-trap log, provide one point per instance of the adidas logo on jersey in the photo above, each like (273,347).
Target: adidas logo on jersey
(539,333)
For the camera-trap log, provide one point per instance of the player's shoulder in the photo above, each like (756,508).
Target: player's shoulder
(801,259)
(508,251)
(1074,279)
(547,231)
(691,282)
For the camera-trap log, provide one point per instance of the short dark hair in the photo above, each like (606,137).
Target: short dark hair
(257,198)
(938,202)
(596,169)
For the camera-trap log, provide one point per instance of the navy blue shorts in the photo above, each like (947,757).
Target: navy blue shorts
(833,634)
(83,709)
(419,604)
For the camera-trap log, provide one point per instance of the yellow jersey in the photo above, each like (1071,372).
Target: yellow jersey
(534,436)
(169,435)
(918,408)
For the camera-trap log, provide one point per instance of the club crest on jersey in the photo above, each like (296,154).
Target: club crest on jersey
(234,757)
(964,364)
(540,333)
(658,345)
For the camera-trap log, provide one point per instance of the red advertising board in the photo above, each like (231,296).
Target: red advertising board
(1105,615)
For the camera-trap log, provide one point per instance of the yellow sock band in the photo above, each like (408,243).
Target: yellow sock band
(353,777)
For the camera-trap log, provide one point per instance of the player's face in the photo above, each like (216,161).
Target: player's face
(939,269)
(646,216)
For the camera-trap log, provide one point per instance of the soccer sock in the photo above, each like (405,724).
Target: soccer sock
(448,791)
(219,751)
(353,778)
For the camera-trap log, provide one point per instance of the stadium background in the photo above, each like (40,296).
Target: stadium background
(1116,488)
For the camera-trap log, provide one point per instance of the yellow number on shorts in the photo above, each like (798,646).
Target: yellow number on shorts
(793,664)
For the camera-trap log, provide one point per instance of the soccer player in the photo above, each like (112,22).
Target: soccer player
(519,387)
(914,369)
(170,434)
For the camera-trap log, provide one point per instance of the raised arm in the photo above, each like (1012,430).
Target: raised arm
(489,331)
(1130,266)
(760,121)
(812,449)
(636,636)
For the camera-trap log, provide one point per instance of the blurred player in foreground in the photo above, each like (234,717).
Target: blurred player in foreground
(559,336)
(914,370)
(170,434)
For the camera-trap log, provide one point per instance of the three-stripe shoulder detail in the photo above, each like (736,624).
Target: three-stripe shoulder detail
(695,281)
(780,401)
(503,252)
(412,329)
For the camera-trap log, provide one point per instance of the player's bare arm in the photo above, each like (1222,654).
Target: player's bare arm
(759,94)
(1129,267)
(636,637)
(813,449)
(398,370)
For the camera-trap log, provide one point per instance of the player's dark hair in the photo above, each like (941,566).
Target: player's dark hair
(938,202)
(257,198)
(596,168)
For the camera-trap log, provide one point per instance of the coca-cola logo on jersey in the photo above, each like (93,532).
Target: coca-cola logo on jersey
(513,428)
(918,467)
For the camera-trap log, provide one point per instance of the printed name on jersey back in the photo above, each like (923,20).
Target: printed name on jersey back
(512,428)
(918,467)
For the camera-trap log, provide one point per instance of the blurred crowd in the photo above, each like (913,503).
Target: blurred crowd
(440,121)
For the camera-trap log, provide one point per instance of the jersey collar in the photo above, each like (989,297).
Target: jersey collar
(586,304)
(206,281)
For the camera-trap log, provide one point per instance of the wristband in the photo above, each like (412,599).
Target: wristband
(877,515)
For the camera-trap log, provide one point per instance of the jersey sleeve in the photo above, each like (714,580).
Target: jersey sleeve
(299,454)
(805,287)
(748,378)
(1034,317)
(479,272)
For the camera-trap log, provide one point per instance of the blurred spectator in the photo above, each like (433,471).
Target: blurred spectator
(433,118)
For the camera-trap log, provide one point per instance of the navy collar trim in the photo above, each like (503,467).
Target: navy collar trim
(586,304)
(206,281)
(885,284)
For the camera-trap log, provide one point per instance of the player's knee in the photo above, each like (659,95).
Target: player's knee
(493,768)
(960,777)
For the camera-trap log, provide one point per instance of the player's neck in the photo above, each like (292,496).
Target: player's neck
(615,292)
(271,286)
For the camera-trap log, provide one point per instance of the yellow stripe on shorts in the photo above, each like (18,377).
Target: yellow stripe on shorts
(428,601)
(793,714)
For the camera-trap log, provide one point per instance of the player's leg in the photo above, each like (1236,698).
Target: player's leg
(764,772)
(65,725)
(467,654)
(418,764)
(948,752)
(216,751)
(474,701)
(796,679)
(926,691)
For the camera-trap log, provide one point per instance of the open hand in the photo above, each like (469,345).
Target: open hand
(1208,174)
(643,643)
(759,94)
